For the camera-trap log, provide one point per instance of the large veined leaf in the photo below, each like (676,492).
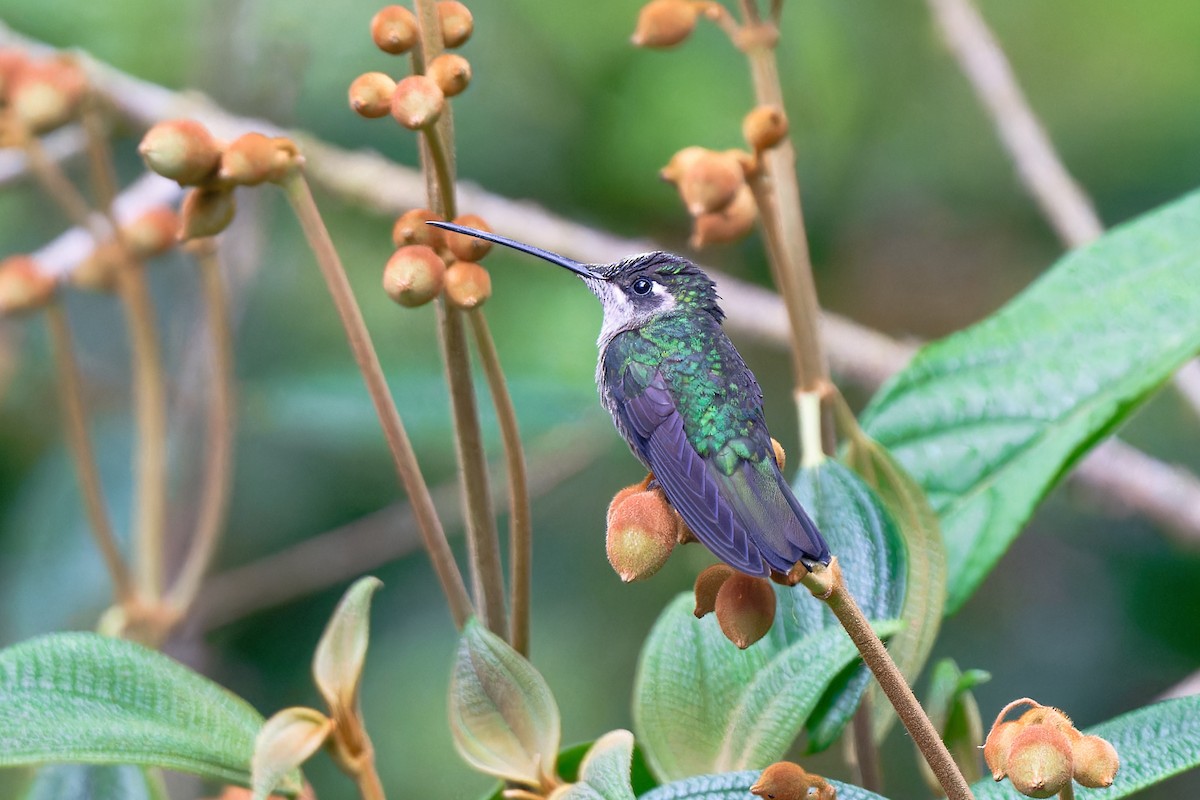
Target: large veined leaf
(605,772)
(96,782)
(988,419)
(736,786)
(1154,743)
(81,697)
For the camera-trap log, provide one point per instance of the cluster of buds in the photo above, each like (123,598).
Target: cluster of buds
(1041,752)
(37,96)
(187,153)
(417,101)
(784,780)
(429,261)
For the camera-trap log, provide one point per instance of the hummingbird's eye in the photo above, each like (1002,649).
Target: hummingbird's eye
(642,286)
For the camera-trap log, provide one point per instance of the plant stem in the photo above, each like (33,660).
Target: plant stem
(866,753)
(1067,792)
(369,785)
(828,585)
(76,422)
(405,460)
(218,475)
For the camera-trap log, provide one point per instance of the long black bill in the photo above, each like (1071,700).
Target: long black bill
(553,258)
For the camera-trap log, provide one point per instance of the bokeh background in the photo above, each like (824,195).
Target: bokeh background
(918,227)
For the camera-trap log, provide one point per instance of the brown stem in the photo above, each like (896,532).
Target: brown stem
(76,422)
(866,752)
(405,460)
(369,785)
(828,585)
(59,187)
(100,162)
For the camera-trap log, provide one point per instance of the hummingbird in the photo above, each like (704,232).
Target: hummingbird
(689,408)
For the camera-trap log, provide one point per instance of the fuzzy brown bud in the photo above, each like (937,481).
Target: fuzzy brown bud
(464,246)
(414,275)
(619,498)
(456,21)
(727,225)
(468,285)
(417,102)
(410,228)
(680,162)
(1096,762)
(182,150)
(784,780)
(664,23)
(708,584)
(153,233)
(641,535)
(253,158)
(997,745)
(710,182)
(745,609)
(764,127)
(23,287)
(394,30)
(451,72)
(206,212)
(1039,761)
(45,95)
(371,95)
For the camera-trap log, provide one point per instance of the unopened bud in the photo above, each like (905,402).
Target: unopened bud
(641,535)
(468,285)
(1096,762)
(727,225)
(456,21)
(464,246)
(394,30)
(182,150)
(410,228)
(780,456)
(417,102)
(1039,761)
(451,72)
(371,95)
(45,95)
(23,288)
(153,233)
(206,212)
(764,127)
(664,23)
(253,158)
(679,163)
(619,498)
(414,275)
(997,746)
(708,584)
(710,182)
(745,609)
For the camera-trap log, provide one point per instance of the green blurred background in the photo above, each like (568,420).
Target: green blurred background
(918,227)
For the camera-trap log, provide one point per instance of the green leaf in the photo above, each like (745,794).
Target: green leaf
(605,771)
(86,698)
(285,742)
(736,786)
(95,782)
(1154,743)
(338,660)
(989,419)
(955,714)
(701,705)
(570,760)
(502,714)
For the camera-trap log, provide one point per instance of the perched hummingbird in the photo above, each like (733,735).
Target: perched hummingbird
(689,408)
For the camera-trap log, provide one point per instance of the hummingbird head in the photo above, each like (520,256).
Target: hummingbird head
(632,292)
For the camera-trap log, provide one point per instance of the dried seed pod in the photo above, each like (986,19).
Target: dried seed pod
(727,225)
(451,72)
(414,275)
(745,609)
(468,285)
(253,158)
(1096,762)
(371,95)
(206,212)
(710,182)
(394,30)
(417,102)
(465,247)
(410,228)
(641,535)
(182,150)
(1039,761)
(708,584)
(456,21)
(997,746)
(23,287)
(664,23)
(680,162)
(780,455)
(47,94)
(153,233)
(764,127)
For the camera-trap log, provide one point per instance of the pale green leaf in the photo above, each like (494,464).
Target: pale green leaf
(338,660)
(605,771)
(285,742)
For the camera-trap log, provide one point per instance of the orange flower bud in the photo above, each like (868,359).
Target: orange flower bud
(780,456)
(619,498)
(182,150)
(414,275)
(23,288)
(708,584)
(664,23)
(417,102)
(451,72)
(680,162)
(371,95)
(47,94)
(468,285)
(727,225)
(206,212)
(253,158)
(1039,761)
(464,246)
(764,127)
(394,30)
(710,182)
(784,780)
(745,609)
(997,746)
(410,228)
(456,21)
(641,535)
(153,233)
(1096,762)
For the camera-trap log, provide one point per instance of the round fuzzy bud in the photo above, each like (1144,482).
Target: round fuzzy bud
(708,584)
(394,30)
(371,95)
(727,225)
(664,23)
(641,535)
(468,285)
(745,609)
(410,228)
(414,275)
(619,498)
(780,455)
(997,745)
(456,21)
(206,212)
(1039,761)
(23,288)
(710,182)
(153,233)
(451,72)
(464,246)
(182,150)
(417,102)
(680,162)
(253,158)
(764,127)
(45,95)
(1096,762)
